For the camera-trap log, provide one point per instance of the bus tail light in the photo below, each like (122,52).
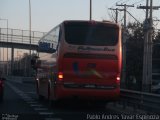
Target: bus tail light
(0,82)
(118,79)
(60,76)
(37,79)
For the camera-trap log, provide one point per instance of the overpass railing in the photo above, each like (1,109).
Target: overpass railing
(20,36)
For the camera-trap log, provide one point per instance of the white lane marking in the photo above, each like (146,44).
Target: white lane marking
(46,113)
(40,109)
(31,93)
(36,105)
(32,102)
(53,119)
(28,99)
(19,92)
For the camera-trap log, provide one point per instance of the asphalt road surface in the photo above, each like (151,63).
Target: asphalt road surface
(21,103)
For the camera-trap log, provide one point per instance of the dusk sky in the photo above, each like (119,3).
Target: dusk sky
(45,14)
(48,13)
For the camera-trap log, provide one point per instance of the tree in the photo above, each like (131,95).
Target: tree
(134,55)
(156,46)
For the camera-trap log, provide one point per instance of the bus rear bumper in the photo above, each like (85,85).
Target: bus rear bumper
(87,93)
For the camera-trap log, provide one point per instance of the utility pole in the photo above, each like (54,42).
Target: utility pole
(147,56)
(116,11)
(90,9)
(123,81)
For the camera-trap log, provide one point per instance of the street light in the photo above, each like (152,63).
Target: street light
(7,41)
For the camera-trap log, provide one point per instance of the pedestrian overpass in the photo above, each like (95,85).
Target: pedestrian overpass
(11,39)
(18,45)
(20,39)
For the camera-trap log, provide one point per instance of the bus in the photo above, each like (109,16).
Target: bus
(82,60)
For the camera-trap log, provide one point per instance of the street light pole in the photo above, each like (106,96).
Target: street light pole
(7,47)
(90,9)
(30,33)
(30,24)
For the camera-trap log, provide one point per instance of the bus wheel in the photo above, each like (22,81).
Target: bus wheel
(40,97)
(54,103)
(37,87)
(48,96)
(1,97)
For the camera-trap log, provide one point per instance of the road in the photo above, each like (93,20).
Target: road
(21,103)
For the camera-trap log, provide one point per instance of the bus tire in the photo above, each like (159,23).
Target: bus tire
(37,87)
(55,103)
(1,97)
(40,97)
(48,96)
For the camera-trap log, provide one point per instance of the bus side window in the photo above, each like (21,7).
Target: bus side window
(58,34)
(59,38)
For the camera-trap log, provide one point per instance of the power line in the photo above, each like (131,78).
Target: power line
(133,17)
(110,15)
(137,2)
(125,2)
(116,3)
(121,19)
(116,12)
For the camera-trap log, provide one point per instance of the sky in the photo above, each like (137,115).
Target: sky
(46,14)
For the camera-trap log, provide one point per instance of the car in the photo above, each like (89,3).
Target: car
(156,88)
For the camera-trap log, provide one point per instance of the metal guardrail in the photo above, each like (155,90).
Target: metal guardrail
(140,100)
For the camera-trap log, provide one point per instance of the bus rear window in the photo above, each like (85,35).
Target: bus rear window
(87,33)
